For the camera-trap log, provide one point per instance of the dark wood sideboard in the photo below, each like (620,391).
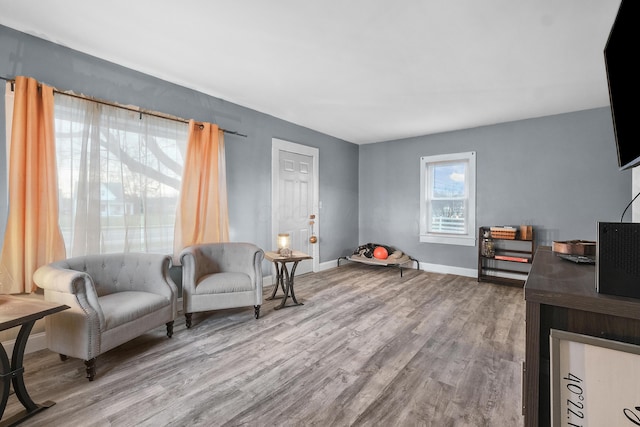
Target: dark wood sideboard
(562,295)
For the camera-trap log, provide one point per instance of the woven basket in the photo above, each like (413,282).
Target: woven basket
(503,233)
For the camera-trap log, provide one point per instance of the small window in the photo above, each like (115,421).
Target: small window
(448,199)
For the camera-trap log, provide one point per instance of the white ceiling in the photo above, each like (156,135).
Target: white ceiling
(361,70)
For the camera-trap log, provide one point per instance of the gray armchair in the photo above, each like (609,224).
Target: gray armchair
(113,298)
(221,275)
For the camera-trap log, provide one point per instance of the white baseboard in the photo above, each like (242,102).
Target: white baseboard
(268,281)
(36,342)
(327,265)
(448,269)
(425,266)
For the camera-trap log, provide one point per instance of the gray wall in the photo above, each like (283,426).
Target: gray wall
(248,159)
(557,173)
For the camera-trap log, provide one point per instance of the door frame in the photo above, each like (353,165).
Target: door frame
(278,145)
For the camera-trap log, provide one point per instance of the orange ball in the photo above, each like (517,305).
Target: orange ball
(380,253)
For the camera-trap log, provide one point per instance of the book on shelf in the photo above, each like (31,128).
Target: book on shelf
(511,258)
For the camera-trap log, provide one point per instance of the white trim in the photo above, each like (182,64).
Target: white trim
(468,239)
(35,342)
(425,266)
(268,281)
(449,239)
(278,145)
(449,269)
(327,265)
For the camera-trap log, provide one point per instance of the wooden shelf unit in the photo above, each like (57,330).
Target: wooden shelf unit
(505,272)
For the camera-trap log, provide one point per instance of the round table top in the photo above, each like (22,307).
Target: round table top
(295,256)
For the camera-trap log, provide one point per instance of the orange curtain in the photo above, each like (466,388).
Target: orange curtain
(32,236)
(202,213)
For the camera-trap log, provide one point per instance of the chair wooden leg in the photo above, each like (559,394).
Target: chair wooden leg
(257,310)
(187,318)
(91,368)
(170,329)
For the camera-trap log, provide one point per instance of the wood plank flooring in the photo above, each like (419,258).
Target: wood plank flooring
(367,348)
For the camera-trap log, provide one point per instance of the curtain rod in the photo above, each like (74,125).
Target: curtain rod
(130,108)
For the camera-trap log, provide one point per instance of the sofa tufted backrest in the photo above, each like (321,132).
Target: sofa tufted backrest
(227,257)
(117,272)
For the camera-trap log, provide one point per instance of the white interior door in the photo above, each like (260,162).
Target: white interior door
(295,197)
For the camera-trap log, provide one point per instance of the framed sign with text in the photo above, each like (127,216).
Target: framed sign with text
(594,381)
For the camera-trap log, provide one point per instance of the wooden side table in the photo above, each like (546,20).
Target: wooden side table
(284,277)
(562,295)
(23,312)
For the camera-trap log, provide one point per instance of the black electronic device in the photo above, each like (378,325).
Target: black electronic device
(620,55)
(618,259)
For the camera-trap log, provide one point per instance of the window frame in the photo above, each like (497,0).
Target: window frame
(140,128)
(426,164)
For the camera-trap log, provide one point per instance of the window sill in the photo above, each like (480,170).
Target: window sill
(448,239)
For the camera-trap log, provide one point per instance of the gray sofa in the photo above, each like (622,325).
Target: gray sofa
(221,275)
(113,298)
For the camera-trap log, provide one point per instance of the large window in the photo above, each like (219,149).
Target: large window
(119,176)
(448,198)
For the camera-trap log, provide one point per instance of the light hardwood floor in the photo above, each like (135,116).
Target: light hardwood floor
(367,348)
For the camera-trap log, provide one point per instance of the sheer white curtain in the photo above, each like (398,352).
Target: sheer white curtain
(119,175)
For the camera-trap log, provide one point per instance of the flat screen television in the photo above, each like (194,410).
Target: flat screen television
(620,57)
